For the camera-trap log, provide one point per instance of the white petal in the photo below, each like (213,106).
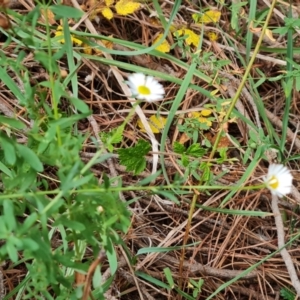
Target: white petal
(138,79)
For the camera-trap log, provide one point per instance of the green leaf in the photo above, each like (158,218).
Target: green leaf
(9,217)
(5,170)
(195,150)
(14,123)
(30,157)
(185,160)
(133,158)
(11,251)
(169,277)
(168,195)
(30,244)
(64,11)
(117,135)
(148,179)
(79,105)
(287,294)
(178,148)
(9,149)
(29,221)
(69,223)
(97,278)
(152,280)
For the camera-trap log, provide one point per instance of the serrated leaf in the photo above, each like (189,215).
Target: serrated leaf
(195,150)
(287,294)
(178,148)
(117,136)
(133,158)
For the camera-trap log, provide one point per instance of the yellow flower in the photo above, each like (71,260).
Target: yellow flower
(212,36)
(97,8)
(211,16)
(206,112)
(201,117)
(59,32)
(191,39)
(155,123)
(107,13)
(87,49)
(164,46)
(126,7)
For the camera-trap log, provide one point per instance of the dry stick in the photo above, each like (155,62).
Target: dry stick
(281,243)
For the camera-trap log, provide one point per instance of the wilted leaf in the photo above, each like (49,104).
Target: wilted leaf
(48,16)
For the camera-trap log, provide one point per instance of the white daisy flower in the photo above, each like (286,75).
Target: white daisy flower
(145,87)
(279,180)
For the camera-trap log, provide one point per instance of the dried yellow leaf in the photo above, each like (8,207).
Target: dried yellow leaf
(211,16)
(126,7)
(164,46)
(63,73)
(47,15)
(254,29)
(191,39)
(156,123)
(107,13)
(269,34)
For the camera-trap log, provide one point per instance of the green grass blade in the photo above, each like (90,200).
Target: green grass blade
(249,36)
(288,86)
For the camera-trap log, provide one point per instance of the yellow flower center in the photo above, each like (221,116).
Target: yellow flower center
(143,90)
(273,182)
